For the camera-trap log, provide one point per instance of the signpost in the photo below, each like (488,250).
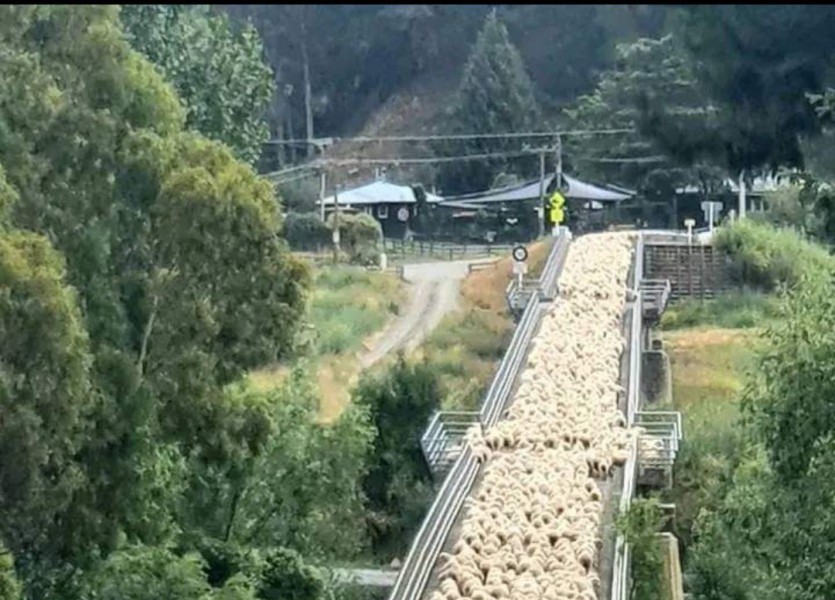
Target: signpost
(689,223)
(520,266)
(711,209)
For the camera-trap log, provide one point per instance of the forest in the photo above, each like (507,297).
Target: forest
(146,270)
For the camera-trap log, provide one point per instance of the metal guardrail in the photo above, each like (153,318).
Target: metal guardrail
(517,295)
(553,267)
(620,570)
(663,426)
(500,388)
(443,439)
(417,568)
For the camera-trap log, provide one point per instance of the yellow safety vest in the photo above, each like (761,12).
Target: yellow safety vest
(556,204)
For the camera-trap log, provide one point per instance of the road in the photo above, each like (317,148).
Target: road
(433,294)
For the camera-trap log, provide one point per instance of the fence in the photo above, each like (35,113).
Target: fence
(694,270)
(443,250)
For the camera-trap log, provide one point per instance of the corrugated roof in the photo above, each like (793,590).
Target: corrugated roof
(528,191)
(379,192)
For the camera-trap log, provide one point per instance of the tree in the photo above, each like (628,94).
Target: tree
(650,76)
(143,573)
(397,485)
(10,588)
(757,64)
(287,479)
(45,393)
(495,96)
(182,284)
(218,70)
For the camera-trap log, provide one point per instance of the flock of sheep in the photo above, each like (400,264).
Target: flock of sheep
(531,530)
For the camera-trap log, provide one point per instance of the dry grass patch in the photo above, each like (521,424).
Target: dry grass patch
(468,344)
(708,368)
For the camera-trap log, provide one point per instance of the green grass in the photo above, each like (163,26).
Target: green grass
(765,256)
(738,310)
(349,304)
(709,368)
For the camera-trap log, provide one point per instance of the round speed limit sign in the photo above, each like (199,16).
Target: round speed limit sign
(520,254)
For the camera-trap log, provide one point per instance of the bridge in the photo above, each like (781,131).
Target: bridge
(456,468)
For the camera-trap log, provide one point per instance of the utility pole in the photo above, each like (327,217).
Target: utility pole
(541,209)
(558,173)
(742,199)
(323,181)
(336,224)
(308,110)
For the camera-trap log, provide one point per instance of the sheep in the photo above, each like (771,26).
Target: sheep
(531,529)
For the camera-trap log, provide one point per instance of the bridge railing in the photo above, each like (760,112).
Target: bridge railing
(440,518)
(620,571)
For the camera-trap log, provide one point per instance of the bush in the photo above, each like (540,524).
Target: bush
(360,236)
(639,527)
(766,257)
(305,231)
(734,310)
(285,576)
(398,484)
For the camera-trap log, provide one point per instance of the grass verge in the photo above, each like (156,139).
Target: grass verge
(737,310)
(709,367)
(347,305)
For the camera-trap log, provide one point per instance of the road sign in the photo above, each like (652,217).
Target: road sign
(520,268)
(403,214)
(520,254)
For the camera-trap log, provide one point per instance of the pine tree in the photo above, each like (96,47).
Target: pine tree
(496,95)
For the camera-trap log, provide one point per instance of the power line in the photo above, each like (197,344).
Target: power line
(637,159)
(288,170)
(296,178)
(468,136)
(421,161)
(396,161)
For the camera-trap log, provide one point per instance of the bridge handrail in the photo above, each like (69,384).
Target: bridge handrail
(440,517)
(620,570)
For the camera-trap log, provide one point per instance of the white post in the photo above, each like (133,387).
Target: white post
(710,217)
(322,184)
(742,194)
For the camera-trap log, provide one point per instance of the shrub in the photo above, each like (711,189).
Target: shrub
(639,527)
(360,235)
(285,576)
(305,231)
(766,257)
(398,485)
(734,310)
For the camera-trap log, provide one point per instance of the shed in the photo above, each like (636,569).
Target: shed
(394,206)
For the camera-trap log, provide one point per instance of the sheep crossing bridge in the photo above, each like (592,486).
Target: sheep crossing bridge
(507,441)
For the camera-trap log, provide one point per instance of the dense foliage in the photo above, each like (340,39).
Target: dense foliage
(652,80)
(398,484)
(496,95)
(217,69)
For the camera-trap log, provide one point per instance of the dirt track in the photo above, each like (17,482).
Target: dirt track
(433,293)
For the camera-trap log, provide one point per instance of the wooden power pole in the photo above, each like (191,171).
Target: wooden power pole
(323,182)
(541,210)
(336,224)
